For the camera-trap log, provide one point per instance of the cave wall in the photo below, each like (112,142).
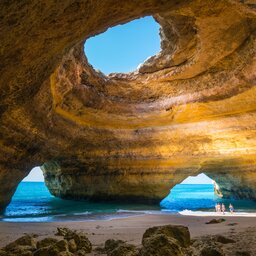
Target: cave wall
(187,110)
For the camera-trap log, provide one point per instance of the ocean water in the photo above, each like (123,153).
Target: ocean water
(201,197)
(32,202)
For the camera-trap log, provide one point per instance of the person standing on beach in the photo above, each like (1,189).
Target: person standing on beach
(231,208)
(223,208)
(216,207)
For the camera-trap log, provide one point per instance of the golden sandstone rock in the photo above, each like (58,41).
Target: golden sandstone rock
(190,109)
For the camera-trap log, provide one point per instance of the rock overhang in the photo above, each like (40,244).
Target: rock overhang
(188,109)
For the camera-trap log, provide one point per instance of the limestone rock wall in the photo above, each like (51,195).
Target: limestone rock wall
(187,110)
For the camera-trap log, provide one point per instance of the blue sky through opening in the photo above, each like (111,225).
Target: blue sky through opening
(122,48)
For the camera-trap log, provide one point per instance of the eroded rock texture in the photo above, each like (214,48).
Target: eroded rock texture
(187,110)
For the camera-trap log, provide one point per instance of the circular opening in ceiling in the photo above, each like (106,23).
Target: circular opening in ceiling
(123,48)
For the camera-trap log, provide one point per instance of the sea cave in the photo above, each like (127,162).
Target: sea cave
(131,137)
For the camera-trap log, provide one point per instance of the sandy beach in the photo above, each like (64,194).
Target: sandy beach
(131,229)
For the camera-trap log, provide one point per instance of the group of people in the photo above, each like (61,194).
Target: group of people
(221,208)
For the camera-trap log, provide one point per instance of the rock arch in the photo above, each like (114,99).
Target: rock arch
(190,106)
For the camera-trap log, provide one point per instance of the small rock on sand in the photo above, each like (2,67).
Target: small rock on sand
(224,240)
(215,221)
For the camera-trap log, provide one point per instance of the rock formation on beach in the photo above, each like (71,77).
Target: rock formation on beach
(169,240)
(157,241)
(189,109)
(72,243)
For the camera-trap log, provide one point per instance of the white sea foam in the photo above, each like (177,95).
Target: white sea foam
(216,214)
(82,213)
(139,211)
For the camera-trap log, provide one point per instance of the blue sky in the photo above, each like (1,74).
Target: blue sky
(199,179)
(36,174)
(123,47)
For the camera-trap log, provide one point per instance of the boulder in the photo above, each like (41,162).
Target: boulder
(47,251)
(178,232)
(23,246)
(119,248)
(76,241)
(81,252)
(124,250)
(160,245)
(22,250)
(72,245)
(112,244)
(53,250)
(211,251)
(62,245)
(224,240)
(62,231)
(46,242)
(26,240)
(82,242)
(99,250)
(79,239)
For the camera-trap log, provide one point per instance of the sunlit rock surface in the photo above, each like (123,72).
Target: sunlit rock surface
(190,109)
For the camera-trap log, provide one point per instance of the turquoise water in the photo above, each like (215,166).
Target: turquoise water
(201,197)
(33,202)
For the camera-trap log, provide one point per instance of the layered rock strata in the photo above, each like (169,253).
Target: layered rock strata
(189,109)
